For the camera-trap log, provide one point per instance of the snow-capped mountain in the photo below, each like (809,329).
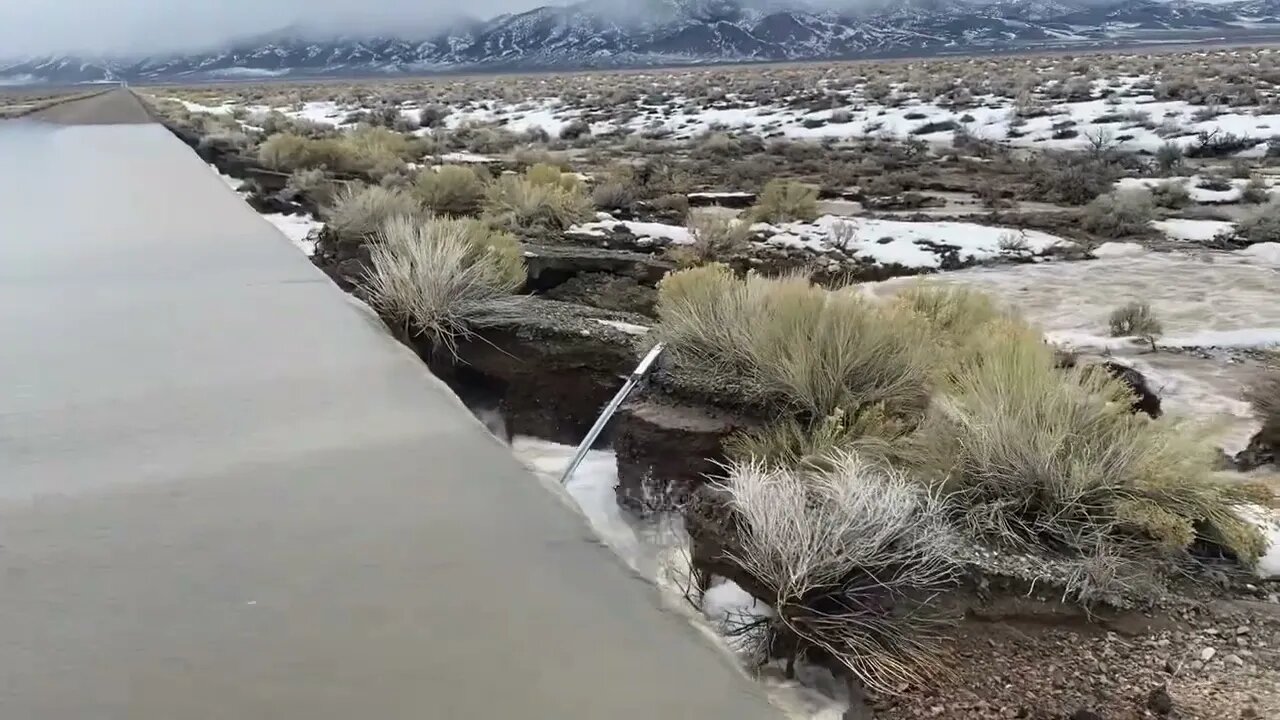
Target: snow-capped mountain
(609,33)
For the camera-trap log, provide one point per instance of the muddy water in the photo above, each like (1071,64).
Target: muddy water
(1209,298)
(657,548)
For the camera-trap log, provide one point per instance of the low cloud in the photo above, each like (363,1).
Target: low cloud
(135,27)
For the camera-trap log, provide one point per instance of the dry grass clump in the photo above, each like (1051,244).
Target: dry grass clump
(613,195)
(360,211)
(536,203)
(314,185)
(1033,455)
(1171,194)
(372,151)
(806,352)
(1134,319)
(286,151)
(714,237)
(1263,395)
(441,277)
(960,321)
(1263,225)
(785,201)
(450,190)
(1255,191)
(850,551)
(1119,214)
(1071,179)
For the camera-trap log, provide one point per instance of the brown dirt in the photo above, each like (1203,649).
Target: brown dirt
(1014,668)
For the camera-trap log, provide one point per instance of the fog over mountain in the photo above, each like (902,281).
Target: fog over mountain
(114,27)
(76,41)
(145,27)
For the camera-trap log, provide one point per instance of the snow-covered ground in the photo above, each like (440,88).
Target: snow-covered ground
(1192,184)
(909,244)
(300,229)
(883,242)
(1132,119)
(1193,230)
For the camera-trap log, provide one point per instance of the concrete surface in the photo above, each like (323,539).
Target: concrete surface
(226,493)
(111,107)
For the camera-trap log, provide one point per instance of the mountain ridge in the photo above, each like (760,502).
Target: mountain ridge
(607,34)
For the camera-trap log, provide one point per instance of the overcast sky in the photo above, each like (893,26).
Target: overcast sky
(34,27)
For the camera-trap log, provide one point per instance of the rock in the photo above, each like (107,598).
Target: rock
(553,265)
(1145,399)
(606,291)
(1159,702)
(1207,654)
(1260,451)
(1235,660)
(1083,714)
(665,450)
(735,200)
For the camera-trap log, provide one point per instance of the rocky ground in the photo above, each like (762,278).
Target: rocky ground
(1218,661)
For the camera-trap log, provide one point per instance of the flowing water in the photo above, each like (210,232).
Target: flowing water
(1207,299)
(1204,300)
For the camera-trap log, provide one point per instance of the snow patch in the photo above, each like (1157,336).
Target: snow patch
(466,157)
(1267,253)
(909,244)
(1192,230)
(1118,249)
(677,234)
(626,327)
(300,229)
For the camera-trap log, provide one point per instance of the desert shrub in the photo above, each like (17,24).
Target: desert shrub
(850,552)
(432,116)
(546,174)
(1169,157)
(575,129)
(1213,180)
(372,146)
(450,190)
(1219,144)
(1036,455)
(1263,395)
(359,211)
(313,184)
(794,345)
(959,318)
(713,237)
(1134,319)
(1119,214)
(1171,194)
(613,195)
(285,151)
(935,126)
(441,276)
(785,201)
(1263,225)
(529,206)
(1070,179)
(1255,191)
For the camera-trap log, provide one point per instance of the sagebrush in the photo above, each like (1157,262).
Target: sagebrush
(440,277)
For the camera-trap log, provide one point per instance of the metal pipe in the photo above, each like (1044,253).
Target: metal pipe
(610,409)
